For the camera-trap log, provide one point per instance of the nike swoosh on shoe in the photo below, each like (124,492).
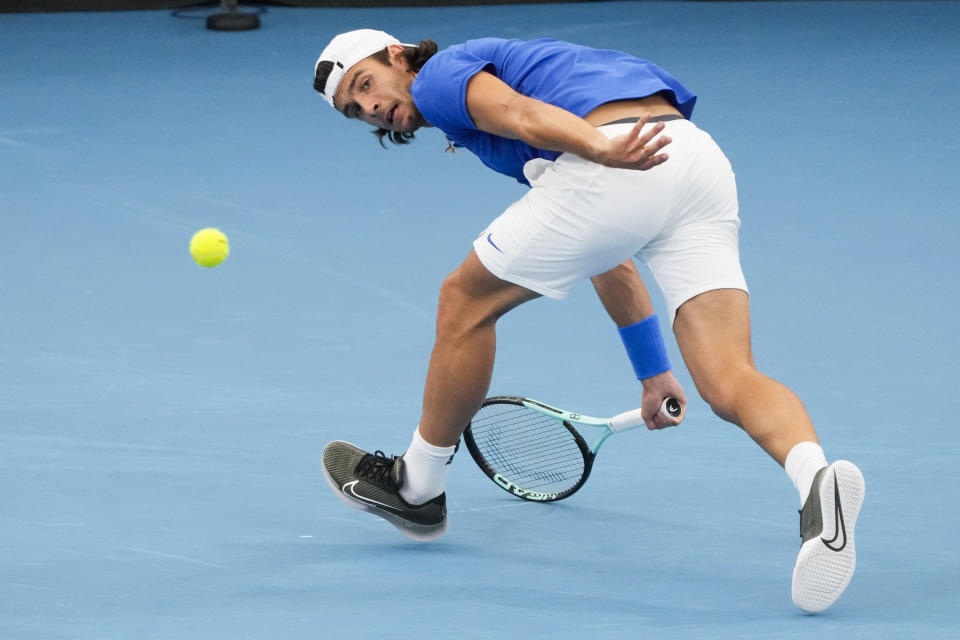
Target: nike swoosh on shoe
(350,490)
(840,530)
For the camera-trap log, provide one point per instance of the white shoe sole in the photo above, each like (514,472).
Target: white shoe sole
(418,532)
(826,563)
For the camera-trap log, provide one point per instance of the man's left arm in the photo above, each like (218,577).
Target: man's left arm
(625,297)
(496,108)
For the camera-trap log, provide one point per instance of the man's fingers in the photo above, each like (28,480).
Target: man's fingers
(638,150)
(658,419)
(653,147)
(645,150)
(653,161)
(658,144)
(638,126)
(645,138)
(663,422)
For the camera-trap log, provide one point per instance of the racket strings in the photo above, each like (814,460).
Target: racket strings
(530,449)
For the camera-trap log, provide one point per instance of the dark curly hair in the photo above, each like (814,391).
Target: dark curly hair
(416,56)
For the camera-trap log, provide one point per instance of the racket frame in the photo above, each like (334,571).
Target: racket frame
(621,422)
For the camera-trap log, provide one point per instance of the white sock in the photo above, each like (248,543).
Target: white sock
(802,464)
(425,469)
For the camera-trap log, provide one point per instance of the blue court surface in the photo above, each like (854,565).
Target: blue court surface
(161,424)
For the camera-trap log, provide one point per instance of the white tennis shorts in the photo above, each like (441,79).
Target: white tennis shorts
(581,219)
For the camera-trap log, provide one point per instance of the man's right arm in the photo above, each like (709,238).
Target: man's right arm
(496,108)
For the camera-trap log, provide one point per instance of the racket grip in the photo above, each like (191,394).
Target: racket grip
(670,407)
(627,420)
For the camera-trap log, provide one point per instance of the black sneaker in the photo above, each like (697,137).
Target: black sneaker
(827,554)
(371,482)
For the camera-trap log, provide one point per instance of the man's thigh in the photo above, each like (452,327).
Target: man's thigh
(713,333)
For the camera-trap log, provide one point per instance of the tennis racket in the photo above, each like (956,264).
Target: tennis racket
(534,451)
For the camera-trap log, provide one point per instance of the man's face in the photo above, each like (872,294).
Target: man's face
(379,94)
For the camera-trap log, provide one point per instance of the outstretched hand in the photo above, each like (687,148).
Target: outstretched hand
(636,149)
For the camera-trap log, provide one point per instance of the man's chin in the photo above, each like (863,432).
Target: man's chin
(413,123)
(407,129)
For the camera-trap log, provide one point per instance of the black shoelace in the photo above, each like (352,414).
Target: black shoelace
(376,468)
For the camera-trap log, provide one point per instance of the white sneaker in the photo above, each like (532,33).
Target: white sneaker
(827,555)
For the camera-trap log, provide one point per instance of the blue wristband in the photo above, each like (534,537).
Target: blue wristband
(644,344)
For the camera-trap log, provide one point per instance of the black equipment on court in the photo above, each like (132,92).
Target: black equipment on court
(232,19)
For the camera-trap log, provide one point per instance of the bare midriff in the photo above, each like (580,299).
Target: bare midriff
(656,105)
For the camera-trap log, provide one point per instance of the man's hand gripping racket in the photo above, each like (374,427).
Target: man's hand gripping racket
(535,452)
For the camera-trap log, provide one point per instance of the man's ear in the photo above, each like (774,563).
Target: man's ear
(397,58)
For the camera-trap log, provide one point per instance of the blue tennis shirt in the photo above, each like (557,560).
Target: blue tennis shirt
(578,79)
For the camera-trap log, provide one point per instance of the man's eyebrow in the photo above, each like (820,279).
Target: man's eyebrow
(353,80)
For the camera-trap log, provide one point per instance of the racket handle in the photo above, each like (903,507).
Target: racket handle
(627,420)
(670,407)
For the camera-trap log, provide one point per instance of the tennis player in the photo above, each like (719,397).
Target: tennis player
(616,171)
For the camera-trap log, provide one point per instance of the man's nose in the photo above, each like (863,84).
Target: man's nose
(370,106)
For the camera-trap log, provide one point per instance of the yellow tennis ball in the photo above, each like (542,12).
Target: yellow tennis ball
(209,247)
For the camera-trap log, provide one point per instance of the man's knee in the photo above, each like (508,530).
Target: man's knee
(461,307)
(452,305)
(724,390)
(473,298)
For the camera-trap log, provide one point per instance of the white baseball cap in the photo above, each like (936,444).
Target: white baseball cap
(346,50)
